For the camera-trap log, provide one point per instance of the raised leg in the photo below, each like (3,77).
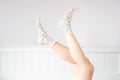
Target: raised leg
(84,68)
(76,51)
(63,52)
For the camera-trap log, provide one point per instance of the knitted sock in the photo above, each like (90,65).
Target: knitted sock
(65,23)
(44,39)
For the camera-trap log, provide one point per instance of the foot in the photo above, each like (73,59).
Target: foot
(44,39)
(65,23)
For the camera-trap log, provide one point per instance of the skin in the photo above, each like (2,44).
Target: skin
(73,54)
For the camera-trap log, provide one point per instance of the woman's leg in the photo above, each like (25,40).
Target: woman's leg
(76,52)
(84,68)
(63,52)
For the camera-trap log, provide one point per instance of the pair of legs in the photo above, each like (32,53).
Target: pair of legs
(73,53)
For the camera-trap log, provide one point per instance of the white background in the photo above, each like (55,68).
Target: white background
(95,23)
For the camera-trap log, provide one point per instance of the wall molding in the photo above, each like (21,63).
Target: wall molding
(34,61)
(38,48)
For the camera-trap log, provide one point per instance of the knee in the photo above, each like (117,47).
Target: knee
(91,68)
(88,68)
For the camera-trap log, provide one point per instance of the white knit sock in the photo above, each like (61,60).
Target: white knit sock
(44,39)
(65,23)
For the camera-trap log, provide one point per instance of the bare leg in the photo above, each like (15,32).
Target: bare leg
(76,51)
(63,52)
(74,54)
(84,68)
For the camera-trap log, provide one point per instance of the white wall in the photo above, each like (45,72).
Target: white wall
(35,63)
(96,23)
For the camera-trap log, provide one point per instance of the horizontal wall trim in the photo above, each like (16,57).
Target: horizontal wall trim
(38,48)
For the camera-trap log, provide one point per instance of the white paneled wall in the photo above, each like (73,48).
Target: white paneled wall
(31,62)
